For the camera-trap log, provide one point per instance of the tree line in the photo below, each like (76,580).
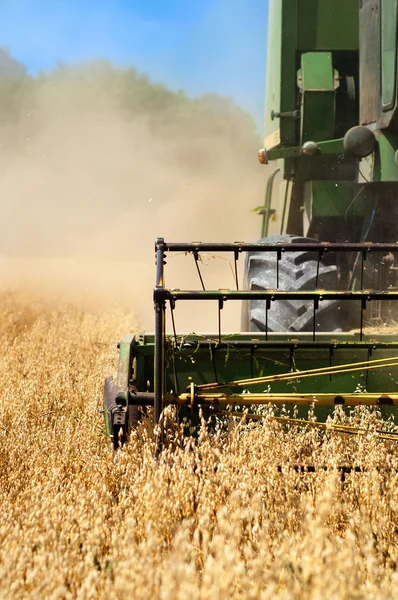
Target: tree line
(28,102)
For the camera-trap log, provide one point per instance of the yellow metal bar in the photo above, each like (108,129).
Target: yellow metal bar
(337,369)
(348,429)
(365,399)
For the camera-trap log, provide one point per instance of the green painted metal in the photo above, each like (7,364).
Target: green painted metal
(313,48)
(329,147)
(281,94)
(317,81)
(317,73)
(389,21)
(202,359)
(125,362)
(274,294)
(386,168)
(378,87)
(274,66)
(290,11)
(331,199)
(266,211)
(328,25)
(295,27)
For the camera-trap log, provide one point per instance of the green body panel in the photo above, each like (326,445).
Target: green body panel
(266,211)
(331,199)
(328,24)
(317,72)
(198,359)
(329,147)
(281,93)
(317,81)
(378,85)
(274,67)
(389,13)
(125,364)
(385,165)
(290,10)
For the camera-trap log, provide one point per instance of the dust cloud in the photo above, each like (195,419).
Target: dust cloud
(87,187)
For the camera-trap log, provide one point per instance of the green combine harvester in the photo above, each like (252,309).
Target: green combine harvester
(319,292)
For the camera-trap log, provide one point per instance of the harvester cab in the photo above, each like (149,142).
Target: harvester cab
(320,286)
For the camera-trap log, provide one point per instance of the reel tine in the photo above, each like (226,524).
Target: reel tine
(196,257)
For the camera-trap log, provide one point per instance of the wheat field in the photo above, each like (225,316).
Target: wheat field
(212,519)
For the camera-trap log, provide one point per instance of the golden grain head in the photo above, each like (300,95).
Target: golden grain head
(213,519)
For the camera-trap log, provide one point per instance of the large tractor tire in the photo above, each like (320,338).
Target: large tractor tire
(297,271)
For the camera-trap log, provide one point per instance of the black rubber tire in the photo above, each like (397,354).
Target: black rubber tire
(297,271)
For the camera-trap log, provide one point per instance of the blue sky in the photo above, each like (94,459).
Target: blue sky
(196,45)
